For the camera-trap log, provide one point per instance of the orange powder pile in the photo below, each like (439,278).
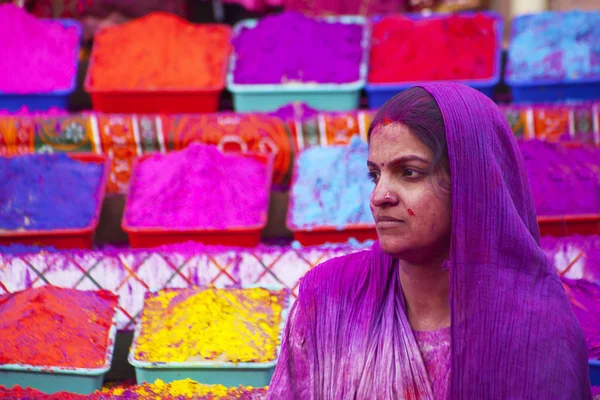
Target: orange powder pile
(160,51)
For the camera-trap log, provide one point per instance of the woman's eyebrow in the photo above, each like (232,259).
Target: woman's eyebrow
(401,160)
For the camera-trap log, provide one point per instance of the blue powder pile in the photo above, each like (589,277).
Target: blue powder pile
(332,187)
(553,45)
(46,192)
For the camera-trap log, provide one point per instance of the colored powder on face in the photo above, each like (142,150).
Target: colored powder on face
(160,51)
(198,187)
(48,191)
(43,327)
(221,325)
(38,56)
(331,187)
(564,180)
(563,46)
(403,50)
(291,47)
(585,301)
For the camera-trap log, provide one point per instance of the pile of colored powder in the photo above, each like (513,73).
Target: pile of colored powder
(585,301)
(55,327)
(24,111)
(291,47)
(185,389)
(160,51)
(331,187)
(220,325)
(441,48)
(198,187)
(48,191)
(561,46)
(564,180)
(295,111)
(38,56)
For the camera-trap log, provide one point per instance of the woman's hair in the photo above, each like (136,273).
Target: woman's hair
(416,109)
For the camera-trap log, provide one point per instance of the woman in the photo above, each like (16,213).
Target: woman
(456,300)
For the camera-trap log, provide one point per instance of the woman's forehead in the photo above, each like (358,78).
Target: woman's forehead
(395,140)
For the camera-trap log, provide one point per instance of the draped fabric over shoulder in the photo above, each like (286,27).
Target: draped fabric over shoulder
(514,335)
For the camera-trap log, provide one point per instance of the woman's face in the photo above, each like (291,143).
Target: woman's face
(410,206)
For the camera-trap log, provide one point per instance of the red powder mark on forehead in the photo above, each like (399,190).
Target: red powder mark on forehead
(411,213)
(386,121)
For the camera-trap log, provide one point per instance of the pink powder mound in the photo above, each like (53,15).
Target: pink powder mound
(198,187)
(37,56)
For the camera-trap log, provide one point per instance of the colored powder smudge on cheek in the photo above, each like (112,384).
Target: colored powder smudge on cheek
(403,50)
(38,56)
(160,51)
(331,187)
(198,187)
(50,191)
(411,213)
(222,325)
(291,47)
(41,327)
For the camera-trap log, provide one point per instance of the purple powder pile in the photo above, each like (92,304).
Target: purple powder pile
(37,56)
(24,111)
(291,47)
(585,301)
(198,187)
(564,180)
(295,111)
(48,192)
(561,46)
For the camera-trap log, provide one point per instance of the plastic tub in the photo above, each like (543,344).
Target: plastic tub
(594,372)
(77,238)
(240,236)
(57,379)
(146,101)
(322,96)
(13,102)
(379,93)
(330,234)
(207,372)
(549,90)
(570,225)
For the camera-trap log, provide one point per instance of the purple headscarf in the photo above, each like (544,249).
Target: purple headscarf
(514,335)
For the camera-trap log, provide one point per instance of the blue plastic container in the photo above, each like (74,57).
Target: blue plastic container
(379,93)
(207,372)
(595,372)
(321,96)
(548,90)
(13,102)
(56,379)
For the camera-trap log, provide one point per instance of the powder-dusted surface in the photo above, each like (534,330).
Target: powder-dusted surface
(56,327)
(38,56)
(331,187)
(24,111)
(184,389)
(221,325)
(561,46)
(585,301)
(291,47)
(403,50)
(160,51)
(48,191)
(198,187)
(435,350)
(564,180)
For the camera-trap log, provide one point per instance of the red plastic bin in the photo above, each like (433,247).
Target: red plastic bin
(239,236)
(570,225)
(155,101)
(79,238)
(329,234)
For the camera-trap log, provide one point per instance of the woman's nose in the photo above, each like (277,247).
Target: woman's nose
(383,195)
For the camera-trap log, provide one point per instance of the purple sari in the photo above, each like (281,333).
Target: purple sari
(514,335)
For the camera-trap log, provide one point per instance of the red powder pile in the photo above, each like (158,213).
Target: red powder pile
(55,327)
(198,187)
(442,48)
(160,51)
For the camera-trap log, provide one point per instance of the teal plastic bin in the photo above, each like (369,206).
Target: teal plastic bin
(57,379)
(321,96)
(227,374)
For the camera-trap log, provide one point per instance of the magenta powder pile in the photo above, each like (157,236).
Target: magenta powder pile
(37,56)
(198,187)
(291,47)
(585,301)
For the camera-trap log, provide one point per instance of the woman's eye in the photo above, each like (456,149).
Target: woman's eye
(409,172)
(373,176)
